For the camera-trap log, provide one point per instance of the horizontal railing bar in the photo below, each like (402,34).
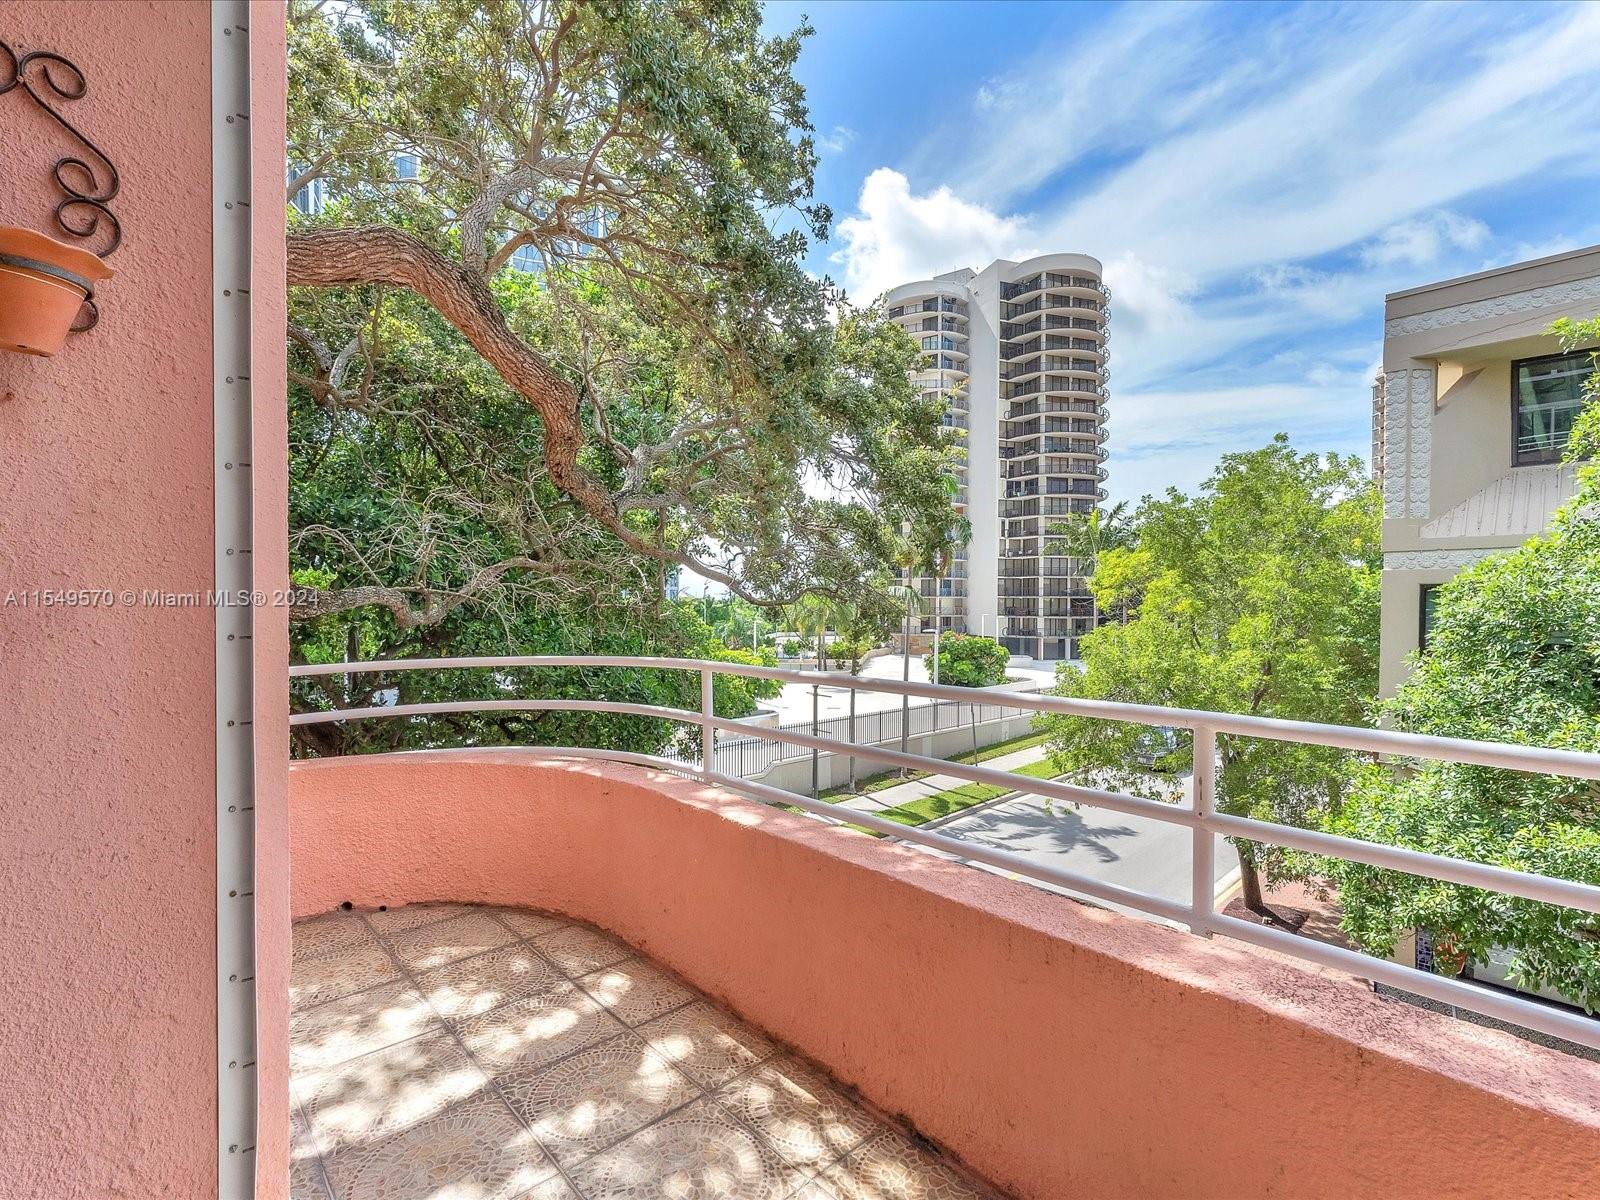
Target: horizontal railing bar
(1052,789)
(463,706)
(1001,859)
(1516,883)
(1543,888)
(1504,755)
(1529,1014)
(1487,1002)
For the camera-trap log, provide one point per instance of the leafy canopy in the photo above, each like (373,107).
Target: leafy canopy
(1258,595)
(550,339)
(596,211)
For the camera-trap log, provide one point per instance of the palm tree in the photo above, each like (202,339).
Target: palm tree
(909,556)
(941,557)
(812,615)
(1086,536)
(1089,535)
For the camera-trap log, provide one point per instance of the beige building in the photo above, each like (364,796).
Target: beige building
(1019,352)
(1475,405)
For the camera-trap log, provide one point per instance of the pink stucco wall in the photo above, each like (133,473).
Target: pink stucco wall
(107,759)
(1060,1050)
(270,560)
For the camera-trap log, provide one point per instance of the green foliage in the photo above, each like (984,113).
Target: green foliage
(641,156)
(736,695)
(636,154)
(1087,536)
(850,653)
(1259,595)
(1513,656)
(969,661)
(611,630)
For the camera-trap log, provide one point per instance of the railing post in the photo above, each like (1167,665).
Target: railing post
(708,731)
(815,758)
(1202,798)
(852,738)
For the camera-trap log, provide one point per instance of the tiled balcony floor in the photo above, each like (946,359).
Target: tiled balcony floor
(446,1052)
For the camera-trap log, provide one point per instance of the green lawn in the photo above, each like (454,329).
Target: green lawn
(941,804)
(953,800)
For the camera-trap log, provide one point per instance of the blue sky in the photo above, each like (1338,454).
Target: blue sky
(1255,178)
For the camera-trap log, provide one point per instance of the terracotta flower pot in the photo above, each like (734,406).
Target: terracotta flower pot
(43,284)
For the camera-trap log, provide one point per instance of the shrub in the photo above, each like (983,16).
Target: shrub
(966,661)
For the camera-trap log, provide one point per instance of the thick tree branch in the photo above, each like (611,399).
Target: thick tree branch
(381,254)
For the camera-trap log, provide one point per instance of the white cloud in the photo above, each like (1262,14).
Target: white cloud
(1421,240)
(897,236)
(1253,193)
(836,139)
(1360,139)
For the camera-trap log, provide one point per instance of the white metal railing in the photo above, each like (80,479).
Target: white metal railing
(1198,814)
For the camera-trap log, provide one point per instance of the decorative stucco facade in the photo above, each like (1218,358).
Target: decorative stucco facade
(1453,488)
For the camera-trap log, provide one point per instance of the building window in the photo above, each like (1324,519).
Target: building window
(1546,396)
(1427,609)
(312,197)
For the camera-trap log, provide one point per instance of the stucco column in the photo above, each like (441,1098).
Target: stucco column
(108,719)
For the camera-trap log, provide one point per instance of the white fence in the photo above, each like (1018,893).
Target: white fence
(754,756)
(1198,813)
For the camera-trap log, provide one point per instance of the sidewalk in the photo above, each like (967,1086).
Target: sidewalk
(900,793)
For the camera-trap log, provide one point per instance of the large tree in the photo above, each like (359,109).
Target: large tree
(1258,595)
(594,212)
(1513,656)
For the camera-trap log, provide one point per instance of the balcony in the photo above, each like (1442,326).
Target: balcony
(518,1052)
(1000,1018)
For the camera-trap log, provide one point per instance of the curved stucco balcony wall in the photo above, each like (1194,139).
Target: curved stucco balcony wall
(1060,1050)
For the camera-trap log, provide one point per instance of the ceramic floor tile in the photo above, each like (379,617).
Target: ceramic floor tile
(697,1153)
(330,934)
(414,916)
(442,942)
(551,1189)
(305,1180)
(306,1177)
(891,1167)
(371,1097)
(356,967)
(596,1096)
(527,923)
(579,950)
(636,990)
(800,1113)
(474,1151)
(470,1077)
(472,986)
(537,1030)
(706,1043)
(357,1024)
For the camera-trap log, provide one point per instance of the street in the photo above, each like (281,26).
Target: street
(1138,853)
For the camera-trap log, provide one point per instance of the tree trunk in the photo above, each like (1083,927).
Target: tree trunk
(1250,886)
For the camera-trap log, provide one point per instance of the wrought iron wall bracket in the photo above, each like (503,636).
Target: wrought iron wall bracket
(88,185)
